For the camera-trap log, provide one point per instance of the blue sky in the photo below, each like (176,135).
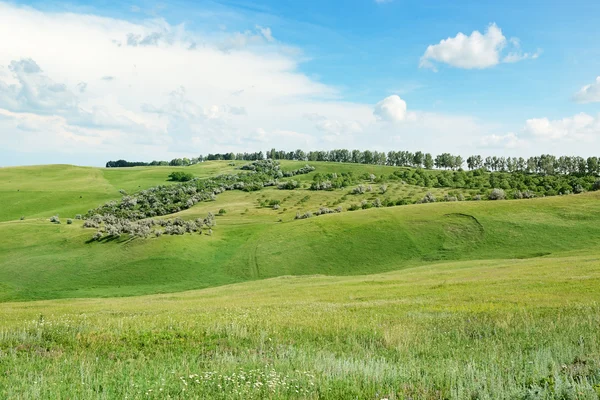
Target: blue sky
(180,78)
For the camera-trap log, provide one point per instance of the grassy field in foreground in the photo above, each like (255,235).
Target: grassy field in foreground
(504,329)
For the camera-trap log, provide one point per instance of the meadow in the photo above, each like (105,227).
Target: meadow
(452,300)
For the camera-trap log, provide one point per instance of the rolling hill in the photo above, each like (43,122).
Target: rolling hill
(461,299)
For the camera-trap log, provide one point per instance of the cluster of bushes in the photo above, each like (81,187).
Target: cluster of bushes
(111,227)
(332,181)
(362,189)
(288,185)
(539,185)
(180,176)
(320,211)
(169,199)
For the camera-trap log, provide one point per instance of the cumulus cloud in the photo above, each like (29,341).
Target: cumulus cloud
(579,127)
(475,51)
(507,141)
(589,93)
(170,99)
(391,109)
(34,91)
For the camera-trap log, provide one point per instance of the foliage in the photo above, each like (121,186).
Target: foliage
(179,176)
(429,198)
(497,194)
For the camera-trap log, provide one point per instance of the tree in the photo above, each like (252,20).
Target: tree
(428,161)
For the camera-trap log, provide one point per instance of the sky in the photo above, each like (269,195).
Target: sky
(91,81)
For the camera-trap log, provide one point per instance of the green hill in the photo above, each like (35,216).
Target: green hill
(446,300)
(41,260)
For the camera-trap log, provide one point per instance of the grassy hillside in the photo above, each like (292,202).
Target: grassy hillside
(453,300)
(506,329)
(40,260)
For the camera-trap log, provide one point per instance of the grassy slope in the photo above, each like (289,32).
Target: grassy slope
(40,260)
(501,302)
(514,329)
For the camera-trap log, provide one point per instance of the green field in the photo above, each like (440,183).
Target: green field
(461,300)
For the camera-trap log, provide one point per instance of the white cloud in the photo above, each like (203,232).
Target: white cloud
(579,127)
(507,141)
(181,93)
(589,93)
(391,109)
(476,51)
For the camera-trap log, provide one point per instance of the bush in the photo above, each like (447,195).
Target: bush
(306,215)
(497,194)
(78,216)
(180,176)
(22,218)
(353,207)
(578,189)
(289,185)
(69,221)
(222,211)
(377,203)
(360,189)
(429,198)
(383,189)
(91,224)
(276,207)
(54,219)
(596,185)
(477,197)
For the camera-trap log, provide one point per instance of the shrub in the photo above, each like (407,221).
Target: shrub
(91,224)
(54,219)
(596,185)
(69,221)
(383,189)
(222,211)
(22,218)
(497,194)
(306,215)
(288,185)
(78,216)
(578,189)
(528,194)
(377,203)
(353,207)
(360,189)
(180,176)
(276,207)
(477,197)
(97,236)
(450,198)
(429,198)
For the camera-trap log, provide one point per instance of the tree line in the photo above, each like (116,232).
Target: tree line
(544,164)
